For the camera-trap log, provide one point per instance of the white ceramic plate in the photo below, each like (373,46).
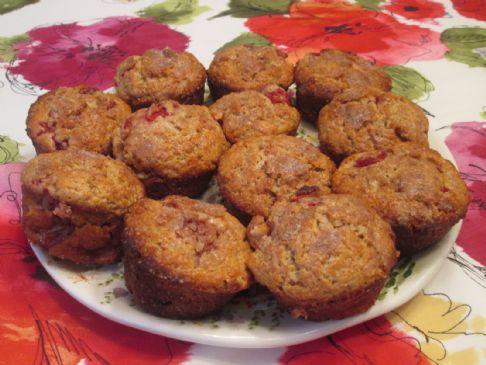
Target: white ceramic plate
(252,320)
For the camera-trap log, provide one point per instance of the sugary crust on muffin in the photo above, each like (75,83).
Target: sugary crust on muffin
(250,114)
(79,117)
(189,243)
(362,119)
(417,191)
(160,75)
(255,172)
(248,67)
(171,141)
(184,258)
(319,77)
(84,180)
(323,257)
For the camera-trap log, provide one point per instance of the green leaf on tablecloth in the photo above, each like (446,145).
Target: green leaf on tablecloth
(247,38)
(370,4)
(251,8)
(9,150)
(7,6)
(174,11)
(482,113)
(401,271)
(7,50)
(408,82)
(466,45)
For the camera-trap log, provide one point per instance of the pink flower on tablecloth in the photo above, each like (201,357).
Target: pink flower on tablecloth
(338,24)
(71,54)
(467,143)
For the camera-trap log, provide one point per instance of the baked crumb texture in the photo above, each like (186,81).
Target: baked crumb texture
(73,203)
(249,114)
(184,258)
(362,119)
(324,257)
(173,148)
(160,75)
(254,173)
(79,117)
(412,187)
(321,76)
(248,67)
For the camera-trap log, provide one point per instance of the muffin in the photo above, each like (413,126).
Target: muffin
(183,258)
(73,202)
(412,187)
(323,257)
(173,148)
(77,117)
(255,172)
(159,75)
(248,114)
(362,119)
(320,77)
(248,67)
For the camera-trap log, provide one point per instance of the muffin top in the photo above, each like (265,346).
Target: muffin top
(190,241)
(409,185)
(331,71)
(251,113)
(86,180)
(77,117)
(171,140)
(362,119)
(249,67)
(255,172)
(320,248)
(158,75)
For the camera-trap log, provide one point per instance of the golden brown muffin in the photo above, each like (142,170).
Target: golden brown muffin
(412,187)
(173,148)
(184,258)
(73,202)
(77,117)
(248,67)
(159,75)
(362,119)
(320,77)
(250,114)
(323,257)
(255,172)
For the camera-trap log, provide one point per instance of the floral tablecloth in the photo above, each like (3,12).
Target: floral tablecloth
(435,52)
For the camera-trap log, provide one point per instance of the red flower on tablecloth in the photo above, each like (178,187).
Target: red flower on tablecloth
(467,143)
(374,342)
(423,10)
(70,54)
(338,24)
(475,9)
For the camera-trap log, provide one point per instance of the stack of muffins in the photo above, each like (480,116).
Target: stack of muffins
(111,183)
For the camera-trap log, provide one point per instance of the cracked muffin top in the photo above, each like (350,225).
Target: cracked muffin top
(410,185)
(170,140)
(331,71)
(159,75)
(251,113)
(79,117)
(255,172)
(86,180)
(320,249)
(249,67)
(362,119)
(189,241)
